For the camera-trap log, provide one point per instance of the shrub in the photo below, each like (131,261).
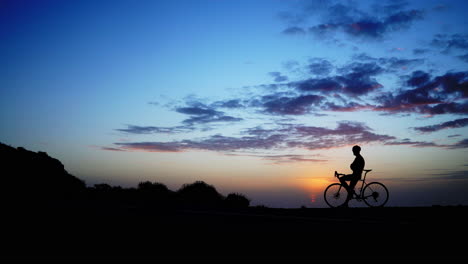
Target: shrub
(200,194)
(237,200)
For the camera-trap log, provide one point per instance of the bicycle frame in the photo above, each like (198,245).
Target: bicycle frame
(361,189)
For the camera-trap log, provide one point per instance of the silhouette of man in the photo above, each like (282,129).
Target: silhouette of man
(357,167)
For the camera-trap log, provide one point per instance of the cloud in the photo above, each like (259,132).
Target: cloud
(132,129)
(281,159)
(347,107)
(284,105)
(321,67)
(389,64)
(418,78)
(111,149)
(416,144)
(358,23)
(213,143)
(313,137)
(231,103)
(356,79)
(278,77)
(450,124)
(291,158)
(322,85)
(439,95)
(285,137)
(424,144)
(460,144)
(420,51)
(151,146)
(451,43)
(199,111)
(202,114)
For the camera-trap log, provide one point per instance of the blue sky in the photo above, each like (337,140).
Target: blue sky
(260,97)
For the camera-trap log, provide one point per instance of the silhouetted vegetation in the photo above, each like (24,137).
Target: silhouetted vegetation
(31,177)
(200,194)
(237,200)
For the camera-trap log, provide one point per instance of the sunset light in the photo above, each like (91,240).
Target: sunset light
(263,97)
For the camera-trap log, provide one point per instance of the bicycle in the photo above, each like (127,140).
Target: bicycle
(374,194)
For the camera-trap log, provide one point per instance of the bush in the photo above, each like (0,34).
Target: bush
(237,200)
(200,194)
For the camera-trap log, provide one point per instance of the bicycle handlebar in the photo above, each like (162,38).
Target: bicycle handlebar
(338,174)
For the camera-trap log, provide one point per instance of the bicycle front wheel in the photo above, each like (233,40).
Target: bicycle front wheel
(375,194)
(335,195)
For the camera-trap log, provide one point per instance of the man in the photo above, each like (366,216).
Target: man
(357,167)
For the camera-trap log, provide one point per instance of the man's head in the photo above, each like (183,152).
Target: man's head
(356,150)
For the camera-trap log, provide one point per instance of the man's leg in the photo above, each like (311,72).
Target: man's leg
(352,184)
(348,188)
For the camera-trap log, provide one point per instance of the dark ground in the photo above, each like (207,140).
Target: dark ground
(105,233)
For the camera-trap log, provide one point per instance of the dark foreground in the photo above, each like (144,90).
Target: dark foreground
(103,233)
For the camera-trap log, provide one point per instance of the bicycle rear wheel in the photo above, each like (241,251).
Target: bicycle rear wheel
(375,194)
(335,195)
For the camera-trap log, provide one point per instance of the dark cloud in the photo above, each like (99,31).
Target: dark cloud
(132,129)
(416,144)
(434,96)
(204,119)
(285,137)
(197,111)
(452,136)
(357,23)
(284,105)
(202,114)
(278,77)
(460,144)
(347,107)
(424,144)
(444,108)
(111,149)
(152,146)
(450,124)
(346,133)
(398,63)
(322,85)
(451,43)
(418,78)
(214,143)
(420,51)
(389,64)
(232,103)
(390,7)
(320,67)
(356,79)
(280,159)
(361,70)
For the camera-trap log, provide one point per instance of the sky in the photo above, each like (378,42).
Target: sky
(264,98)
